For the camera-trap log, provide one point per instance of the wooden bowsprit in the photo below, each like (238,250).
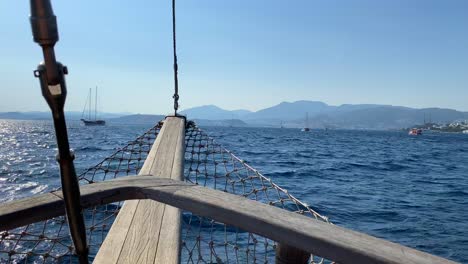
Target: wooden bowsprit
(148,231)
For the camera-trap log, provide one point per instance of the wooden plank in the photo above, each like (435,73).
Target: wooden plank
(41,207)
(120,230)
(330,241)
(169,236)
(153,236)
(141,241)
(29,210)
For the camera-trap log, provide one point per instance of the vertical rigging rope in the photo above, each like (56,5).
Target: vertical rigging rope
(176,81)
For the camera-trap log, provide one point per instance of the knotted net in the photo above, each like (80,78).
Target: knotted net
(204,240)
(49,241)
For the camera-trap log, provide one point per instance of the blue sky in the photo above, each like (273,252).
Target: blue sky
(244,54)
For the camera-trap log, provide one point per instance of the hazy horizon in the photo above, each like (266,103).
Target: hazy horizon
(244,54)
(234,109)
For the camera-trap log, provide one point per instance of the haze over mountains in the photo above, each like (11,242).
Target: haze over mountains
(322,115)
(44,115)
(288,114)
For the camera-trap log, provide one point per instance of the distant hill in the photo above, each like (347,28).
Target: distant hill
(286,110)
(212,112)
(153,119)
(36,115)
(126,119)
(322,115)
(26,115)
(137,119)
(282,111)
(224,122)
(288,114)
(391,117)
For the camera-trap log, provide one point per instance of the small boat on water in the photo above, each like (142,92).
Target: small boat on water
(93,122)
(465,131)
(90,121)
(306,127)
(415,132)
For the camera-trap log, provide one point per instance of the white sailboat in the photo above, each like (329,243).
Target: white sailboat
(91,121)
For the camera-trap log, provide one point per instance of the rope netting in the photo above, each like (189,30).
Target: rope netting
(207,241)
(49,241)
(204,240)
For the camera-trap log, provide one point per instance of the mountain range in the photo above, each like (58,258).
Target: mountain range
(288,114)
(38,115)
(120,118)
(322,115)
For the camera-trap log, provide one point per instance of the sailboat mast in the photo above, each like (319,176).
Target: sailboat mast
(84,109)
(95,106)
(89,109)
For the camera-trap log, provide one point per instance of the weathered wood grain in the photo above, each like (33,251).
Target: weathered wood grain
(170,232)
(330,241)
(153,235)
(119,230)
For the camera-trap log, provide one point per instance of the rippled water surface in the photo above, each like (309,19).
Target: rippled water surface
(411,190)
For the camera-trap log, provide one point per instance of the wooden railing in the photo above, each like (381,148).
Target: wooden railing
(329,241)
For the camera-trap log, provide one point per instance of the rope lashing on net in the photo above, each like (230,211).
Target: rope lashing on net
(204,240)
(176,67)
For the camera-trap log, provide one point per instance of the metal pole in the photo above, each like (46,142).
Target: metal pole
(89,109)
(95,106)
(176,67)
(52,79)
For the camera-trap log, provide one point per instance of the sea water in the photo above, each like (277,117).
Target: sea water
(411,190)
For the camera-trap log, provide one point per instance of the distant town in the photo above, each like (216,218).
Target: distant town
(453,127)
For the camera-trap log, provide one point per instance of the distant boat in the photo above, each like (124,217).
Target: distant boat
(90,121)
(465,131)
(415,132)
(306,127)
(231,124)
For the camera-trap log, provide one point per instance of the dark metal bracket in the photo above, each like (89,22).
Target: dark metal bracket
(51,76)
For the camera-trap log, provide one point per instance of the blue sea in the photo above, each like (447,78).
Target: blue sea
(410,190)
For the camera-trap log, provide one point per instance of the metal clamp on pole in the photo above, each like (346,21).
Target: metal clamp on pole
(52,79)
